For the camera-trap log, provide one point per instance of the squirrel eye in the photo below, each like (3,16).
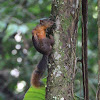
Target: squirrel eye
(41,21)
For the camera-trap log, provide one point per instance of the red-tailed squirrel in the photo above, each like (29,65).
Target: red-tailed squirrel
(43,44)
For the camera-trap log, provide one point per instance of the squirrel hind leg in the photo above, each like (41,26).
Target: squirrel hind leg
(52,41)
(35,80)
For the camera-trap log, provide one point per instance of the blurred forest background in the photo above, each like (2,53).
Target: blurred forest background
(18,56)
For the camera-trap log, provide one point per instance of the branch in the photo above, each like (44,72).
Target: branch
(84,48)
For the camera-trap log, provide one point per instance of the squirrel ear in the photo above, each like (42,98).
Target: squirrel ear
(41,21)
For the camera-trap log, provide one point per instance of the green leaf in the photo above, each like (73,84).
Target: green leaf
(78,97)
(2,25)
(12,28)
(36,93)
(23,28)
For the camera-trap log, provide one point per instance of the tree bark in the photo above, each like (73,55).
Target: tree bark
(62,64)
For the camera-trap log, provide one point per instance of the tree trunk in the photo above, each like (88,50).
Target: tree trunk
(62,64)
(98,92)
(84,48)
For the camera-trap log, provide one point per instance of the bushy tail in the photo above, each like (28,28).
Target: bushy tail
(39,71)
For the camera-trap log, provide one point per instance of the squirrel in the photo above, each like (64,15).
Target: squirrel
(42,44)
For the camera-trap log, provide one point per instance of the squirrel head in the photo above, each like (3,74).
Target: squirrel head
(46,22)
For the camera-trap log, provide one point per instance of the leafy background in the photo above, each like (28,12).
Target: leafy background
(17,55)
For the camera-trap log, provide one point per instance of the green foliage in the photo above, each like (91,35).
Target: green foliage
(78,98)
(36,93)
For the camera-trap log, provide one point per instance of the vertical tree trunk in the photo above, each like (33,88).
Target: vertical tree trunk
(61,71)
(98,92)
(84,48)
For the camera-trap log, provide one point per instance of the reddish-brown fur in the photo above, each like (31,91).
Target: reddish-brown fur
(35,79)
(43,45)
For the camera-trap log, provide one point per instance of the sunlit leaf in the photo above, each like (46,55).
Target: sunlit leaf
(23,28)
(2,25)
(12,28)
(36,93)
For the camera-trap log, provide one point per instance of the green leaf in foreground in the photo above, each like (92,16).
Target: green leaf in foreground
(35,93)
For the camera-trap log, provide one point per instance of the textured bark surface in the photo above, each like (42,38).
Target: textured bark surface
(62,64)
(98,92)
